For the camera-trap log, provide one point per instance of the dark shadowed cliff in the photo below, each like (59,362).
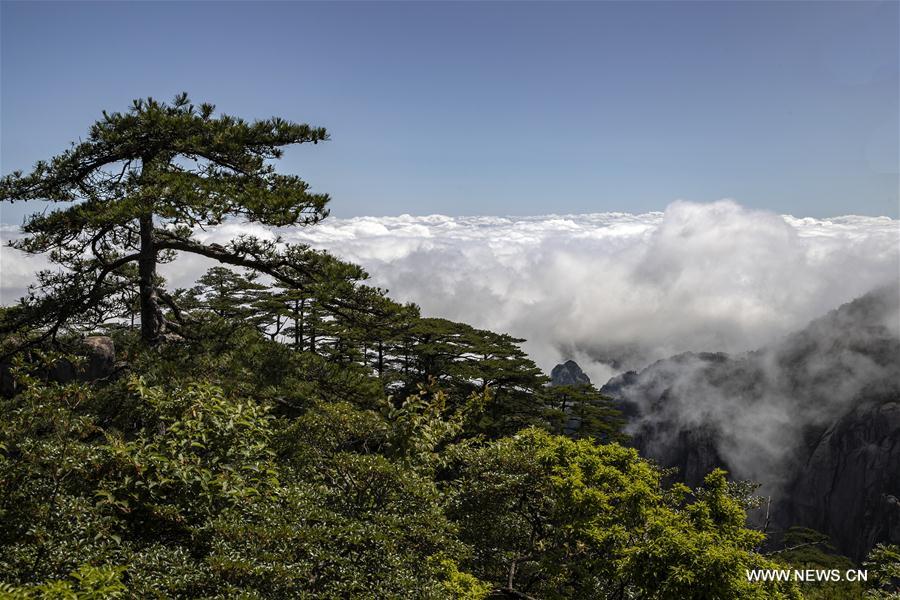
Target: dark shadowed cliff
(814,418)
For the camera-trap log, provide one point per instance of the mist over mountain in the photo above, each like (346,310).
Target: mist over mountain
(814,418)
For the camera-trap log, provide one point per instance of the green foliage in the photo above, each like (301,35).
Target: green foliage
(883,564)
(211,497)
(197,489)
(557,518)
(85,583)
(423,424)
(462,585)
(207,453)
(49,523)
(465,360)
(581,411)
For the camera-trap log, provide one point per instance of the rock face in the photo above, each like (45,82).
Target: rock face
(850,484)
(101,357)
(568,373)
(99,353)
(813,418)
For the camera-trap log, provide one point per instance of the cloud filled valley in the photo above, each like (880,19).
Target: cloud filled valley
(614,291)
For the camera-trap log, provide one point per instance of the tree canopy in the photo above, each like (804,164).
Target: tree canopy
(140,185)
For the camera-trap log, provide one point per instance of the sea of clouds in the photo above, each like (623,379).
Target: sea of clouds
(612,290)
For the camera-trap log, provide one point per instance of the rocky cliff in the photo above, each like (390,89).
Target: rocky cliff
(814,418)
(568,373)
(849,484)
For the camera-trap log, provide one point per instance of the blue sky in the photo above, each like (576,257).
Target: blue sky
(496,108)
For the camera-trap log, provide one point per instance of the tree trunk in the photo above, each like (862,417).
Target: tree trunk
(312,330)
(380,359)
(275,333)
(151,316)
(298,334)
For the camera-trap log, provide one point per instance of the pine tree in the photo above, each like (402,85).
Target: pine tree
(581,411)
(140,185)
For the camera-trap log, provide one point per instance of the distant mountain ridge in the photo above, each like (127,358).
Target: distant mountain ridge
(814,418)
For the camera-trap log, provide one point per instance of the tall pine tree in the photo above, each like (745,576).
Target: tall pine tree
(140,185)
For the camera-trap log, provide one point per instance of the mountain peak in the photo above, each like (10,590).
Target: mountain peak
(568,373)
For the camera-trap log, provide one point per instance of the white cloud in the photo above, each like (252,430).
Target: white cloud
(610,285)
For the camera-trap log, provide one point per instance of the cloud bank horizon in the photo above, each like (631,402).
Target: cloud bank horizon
(614,291)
